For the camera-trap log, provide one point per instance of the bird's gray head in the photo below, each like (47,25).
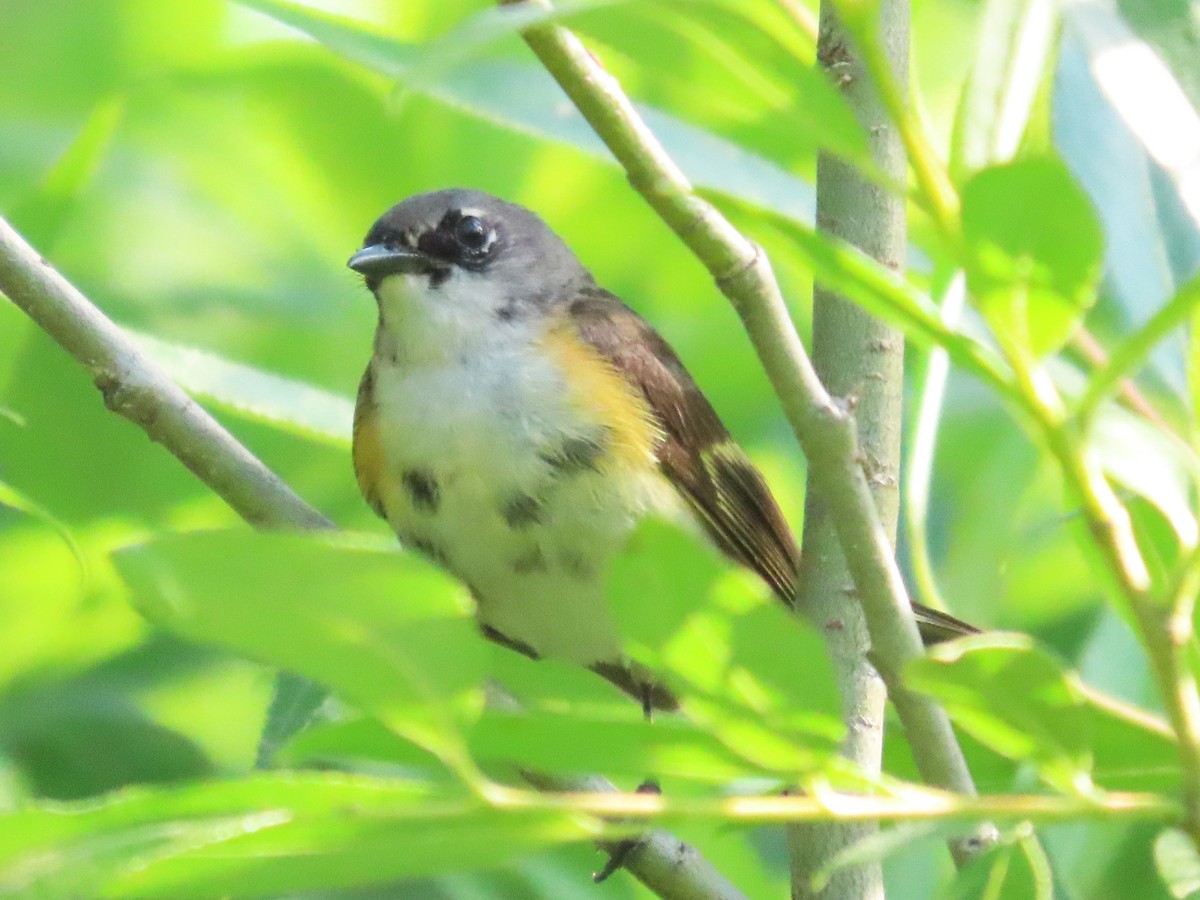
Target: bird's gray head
(474,240)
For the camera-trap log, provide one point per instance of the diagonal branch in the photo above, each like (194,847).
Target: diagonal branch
(823,425)
(134,387)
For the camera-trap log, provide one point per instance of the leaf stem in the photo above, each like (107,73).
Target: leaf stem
(1165,635)
(913,806)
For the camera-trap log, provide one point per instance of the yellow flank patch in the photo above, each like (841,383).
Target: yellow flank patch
(369,466)
(604,397)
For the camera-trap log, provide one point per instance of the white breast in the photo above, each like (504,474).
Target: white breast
(474,416)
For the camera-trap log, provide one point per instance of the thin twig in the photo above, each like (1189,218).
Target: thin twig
(823,426)
(139,390)
(1131,354)
(912,806)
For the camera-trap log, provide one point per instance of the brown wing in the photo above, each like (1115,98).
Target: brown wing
(711,472)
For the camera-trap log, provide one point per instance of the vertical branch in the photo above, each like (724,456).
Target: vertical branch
(860,360)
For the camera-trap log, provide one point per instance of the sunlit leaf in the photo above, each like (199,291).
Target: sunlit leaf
(882,293)
(627,745)
(1178,863)
(1013,697)
(819,110)
(14,499)
(1144,92)
(1151,463)
(44,213)
(742,663)
(262,837)
(1012,62)
(523,97)
(253,393)
(360,740)
(384,629)
(1132,750)
(1033,264)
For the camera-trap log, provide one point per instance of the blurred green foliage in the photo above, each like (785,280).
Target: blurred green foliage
(202,170)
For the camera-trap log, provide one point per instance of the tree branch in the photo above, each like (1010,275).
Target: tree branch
(134,387)
(823,425)
(858,357)
(663,863)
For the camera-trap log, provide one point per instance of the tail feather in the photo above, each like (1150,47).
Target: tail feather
(937,627)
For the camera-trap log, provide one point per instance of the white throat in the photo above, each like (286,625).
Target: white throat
(457,320)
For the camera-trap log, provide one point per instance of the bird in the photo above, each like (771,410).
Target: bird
(516,421)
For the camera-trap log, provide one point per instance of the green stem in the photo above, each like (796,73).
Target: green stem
(931,371)
(1164,634)
(914,806)
(1131,354)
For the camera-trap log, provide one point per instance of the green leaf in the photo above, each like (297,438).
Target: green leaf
(883,844)
(1178,863)
(43,215)
(1133,750)
(262,837)
(384,629)
(663,577)
(525,98)
(1013,59)
(253,393)
(296,703)
(357,741)
(1012,697)
(863,281)
(1153,464)
(752,674)
(14,499)
(819,110)
(1034,251)
(1143,90)
(578,743)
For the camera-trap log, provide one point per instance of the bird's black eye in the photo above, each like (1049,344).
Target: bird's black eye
(471,233)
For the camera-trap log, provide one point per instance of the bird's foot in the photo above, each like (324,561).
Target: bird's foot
(625,848)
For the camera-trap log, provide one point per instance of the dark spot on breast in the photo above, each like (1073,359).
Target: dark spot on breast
(522,511)
(422,488)
(532,561)
(437,277)
(578,454)
(576,565)
(509,311)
